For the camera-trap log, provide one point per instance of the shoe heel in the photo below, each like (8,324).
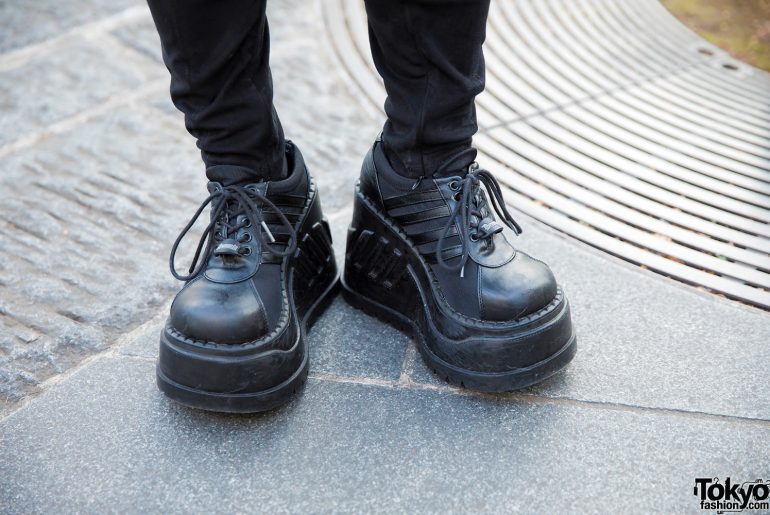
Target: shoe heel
(376,278)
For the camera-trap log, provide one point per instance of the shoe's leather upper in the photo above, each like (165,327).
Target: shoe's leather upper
(479,271)
(237,292)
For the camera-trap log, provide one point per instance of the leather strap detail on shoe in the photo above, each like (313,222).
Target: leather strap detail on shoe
(282,200)
(417,197)
(437,213)
(417,208)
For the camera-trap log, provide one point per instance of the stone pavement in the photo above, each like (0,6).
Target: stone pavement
(98,176)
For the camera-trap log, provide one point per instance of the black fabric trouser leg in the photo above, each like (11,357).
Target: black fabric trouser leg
(217,52)
(429,54)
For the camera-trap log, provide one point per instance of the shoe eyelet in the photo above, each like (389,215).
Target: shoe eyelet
(247,222)
(454,185)
(474,237)
(456,196)
(245,238)
(245,251)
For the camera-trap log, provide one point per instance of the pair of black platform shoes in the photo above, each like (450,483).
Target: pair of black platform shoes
(428,256)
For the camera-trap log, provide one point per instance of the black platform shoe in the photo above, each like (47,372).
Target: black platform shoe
(235,337)
(430,257)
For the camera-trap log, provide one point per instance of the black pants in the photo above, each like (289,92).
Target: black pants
(428,53)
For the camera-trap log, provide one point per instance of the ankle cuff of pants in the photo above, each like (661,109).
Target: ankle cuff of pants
(231,173)
(228,174)
(424,161)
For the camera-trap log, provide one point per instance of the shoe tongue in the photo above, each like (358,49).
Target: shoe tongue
(228,247)
(488,227)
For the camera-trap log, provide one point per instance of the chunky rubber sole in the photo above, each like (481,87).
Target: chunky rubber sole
(251,402)
(465,378)
(385,277)
(264,374)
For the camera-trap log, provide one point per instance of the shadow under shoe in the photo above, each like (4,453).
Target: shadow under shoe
(263,270)
(431,256)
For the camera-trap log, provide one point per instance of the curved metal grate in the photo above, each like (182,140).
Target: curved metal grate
(612,122)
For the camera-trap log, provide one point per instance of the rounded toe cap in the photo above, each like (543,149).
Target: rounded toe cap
(519,288)
(219,313)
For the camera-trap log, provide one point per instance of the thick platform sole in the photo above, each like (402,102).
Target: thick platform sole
(257,376)
(465,378)
(383,278)
(252,402)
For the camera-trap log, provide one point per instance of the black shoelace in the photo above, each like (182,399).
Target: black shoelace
(228,203)
(470,211)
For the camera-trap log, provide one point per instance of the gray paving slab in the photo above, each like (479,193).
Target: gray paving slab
(346,342)
(107,441)
(87,222)
(25,23)
(141,35)
(78,75)
(144,340)
(163,103)
(647,341)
